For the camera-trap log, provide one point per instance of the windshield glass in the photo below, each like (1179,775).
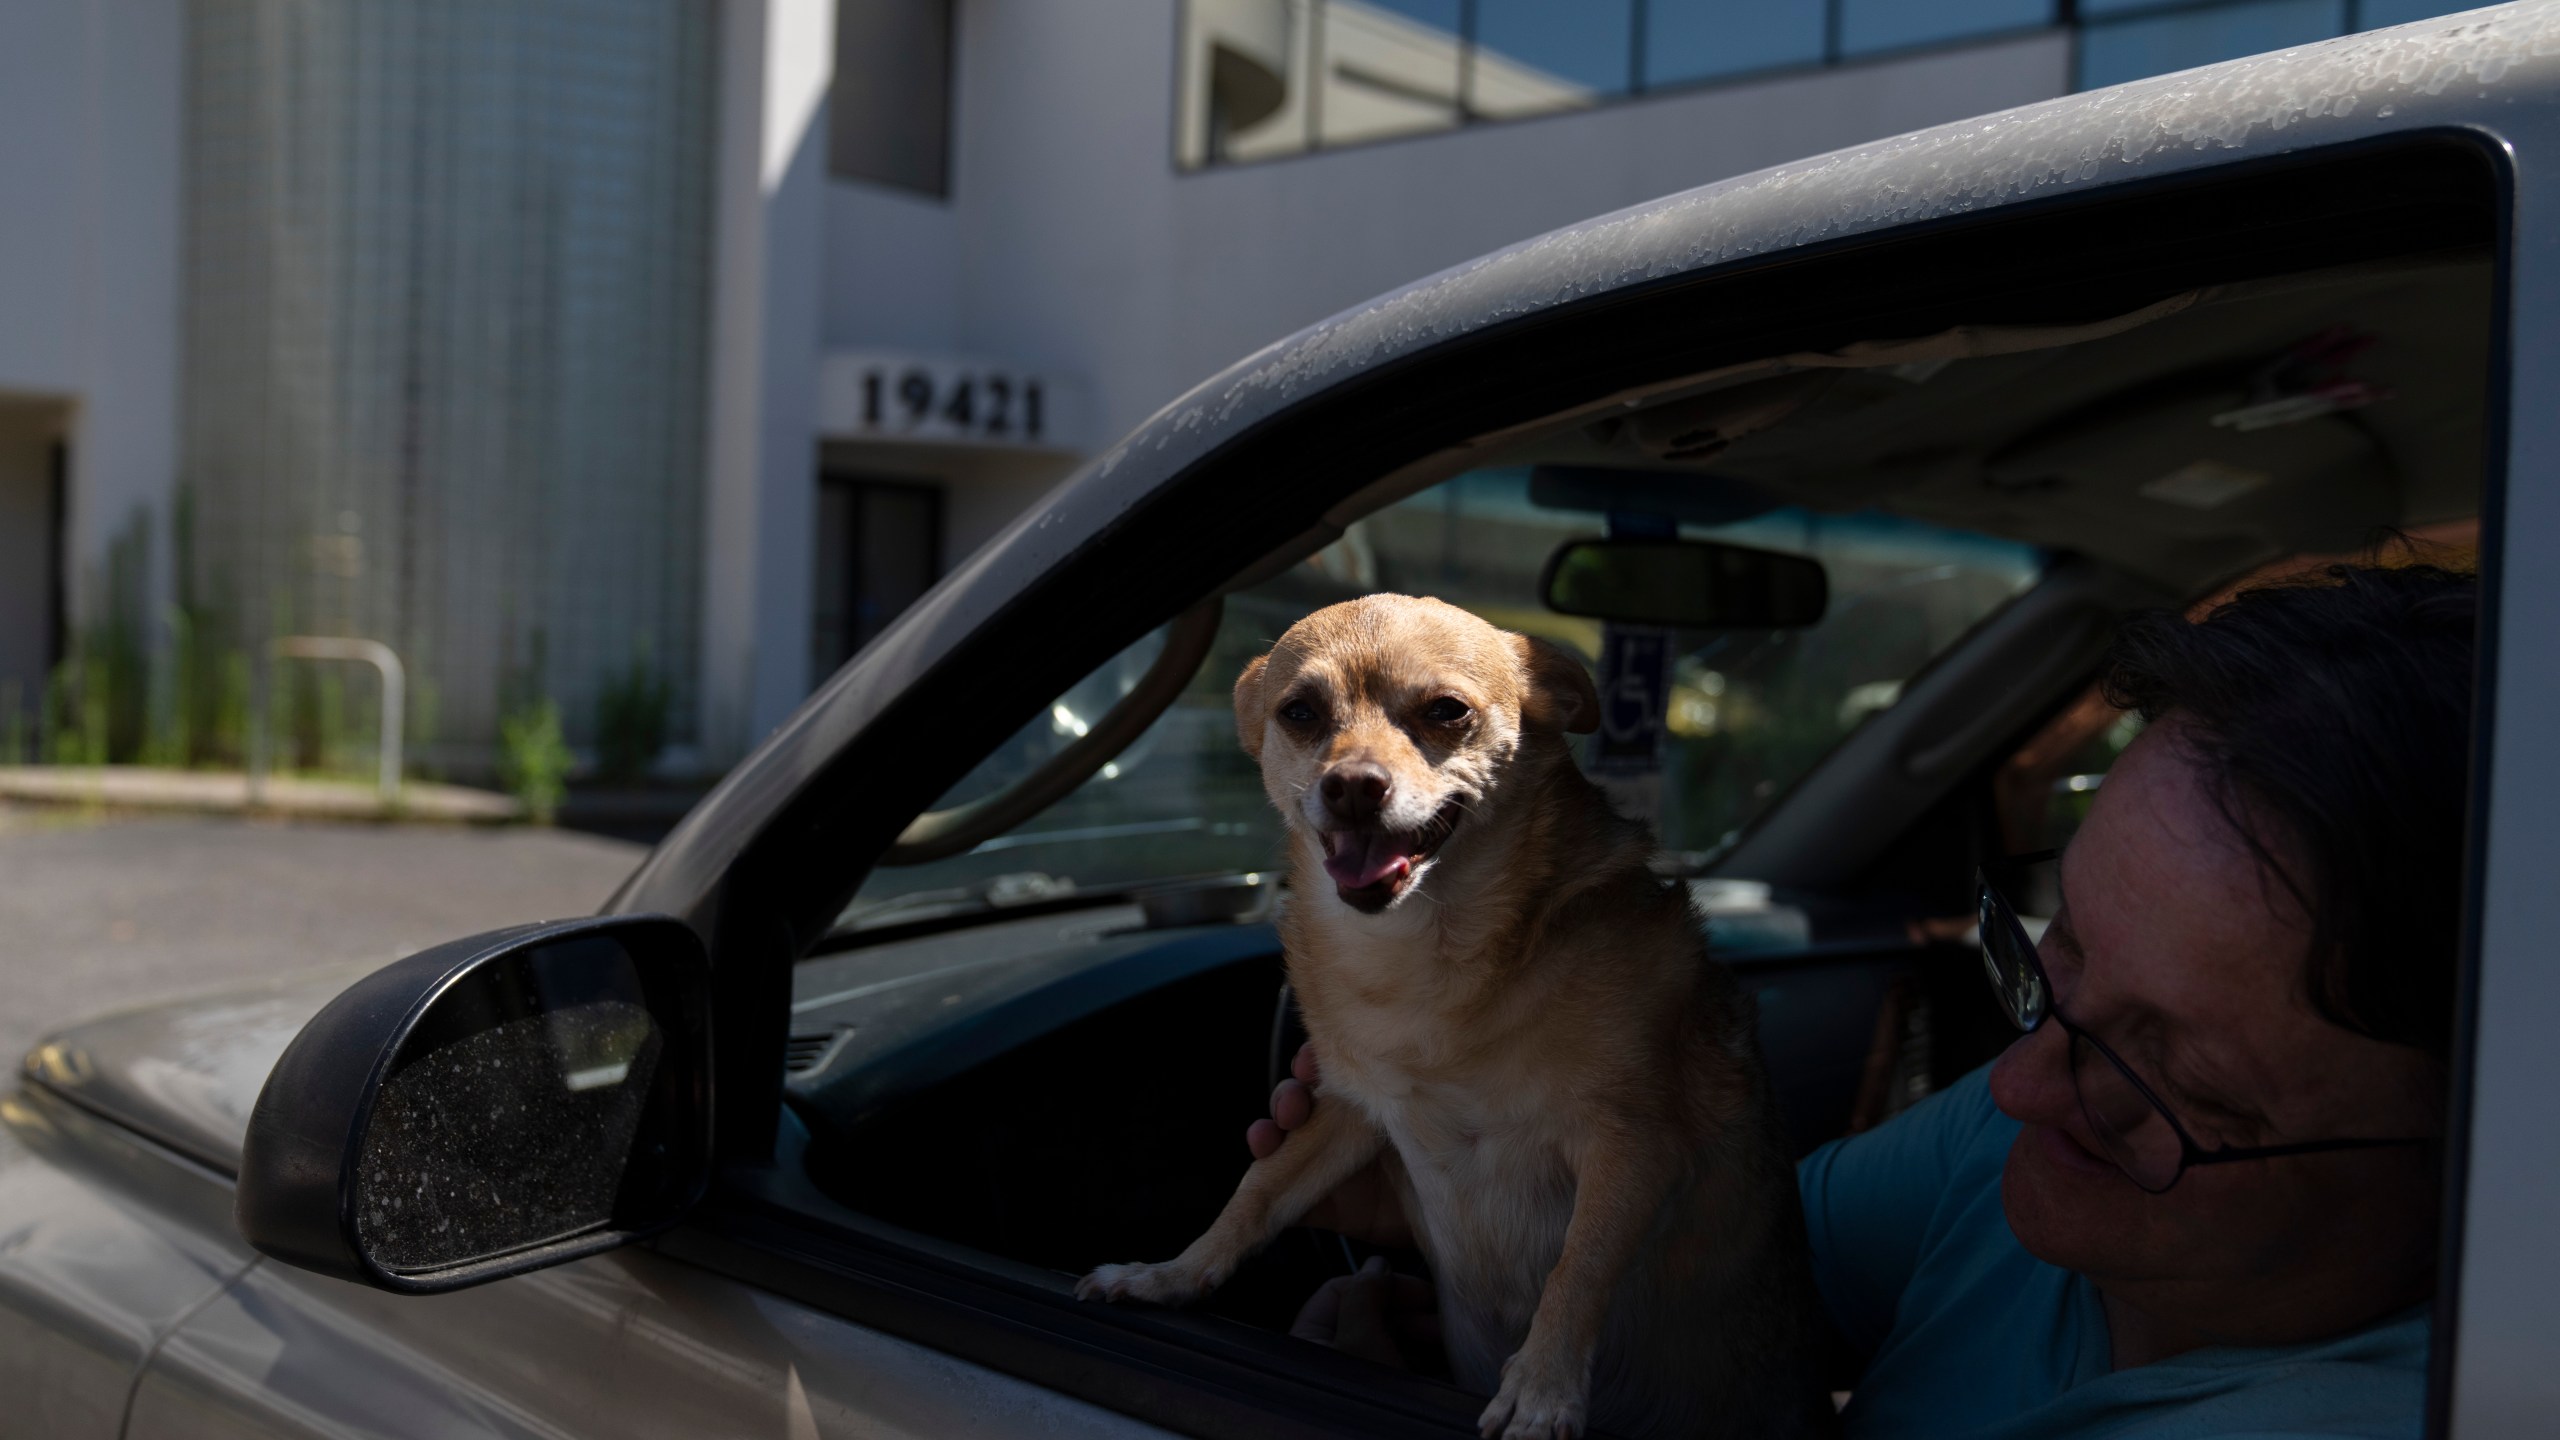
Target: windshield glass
(1707,728)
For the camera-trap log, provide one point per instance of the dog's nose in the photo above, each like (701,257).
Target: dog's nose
(1355,791)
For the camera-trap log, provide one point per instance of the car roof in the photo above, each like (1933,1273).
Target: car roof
(2455,72)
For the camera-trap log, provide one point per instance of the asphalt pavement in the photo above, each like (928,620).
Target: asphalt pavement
(100,914)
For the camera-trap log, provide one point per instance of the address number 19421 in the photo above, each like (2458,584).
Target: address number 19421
(981,404)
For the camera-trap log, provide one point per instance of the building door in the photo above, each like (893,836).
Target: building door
(879,548)
(33,482)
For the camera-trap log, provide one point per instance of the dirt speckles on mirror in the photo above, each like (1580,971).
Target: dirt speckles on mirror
(508,1136)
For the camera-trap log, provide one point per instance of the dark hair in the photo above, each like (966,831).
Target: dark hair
(2339,709)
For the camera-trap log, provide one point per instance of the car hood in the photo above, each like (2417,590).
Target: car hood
(185,1072)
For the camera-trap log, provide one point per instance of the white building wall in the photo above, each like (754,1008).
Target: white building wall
(769,260)
(90,94)
(894,267)
(43,109)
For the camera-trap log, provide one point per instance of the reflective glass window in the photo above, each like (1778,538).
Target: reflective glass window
(1700,39)
(1388,69)
(1534,56)
(889,110)
(1871,25)
(1271,77)
(2128,49)
(1447,16)
(2375,14)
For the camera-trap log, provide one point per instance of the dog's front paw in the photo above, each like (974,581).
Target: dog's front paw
(1174,1282)
(1540,1399)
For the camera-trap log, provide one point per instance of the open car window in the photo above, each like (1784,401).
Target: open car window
(1711,728)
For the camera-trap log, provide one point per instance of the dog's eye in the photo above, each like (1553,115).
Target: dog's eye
(1297,712)
(1447,710)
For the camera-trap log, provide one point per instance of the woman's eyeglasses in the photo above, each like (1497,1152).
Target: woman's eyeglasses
(2141,1135)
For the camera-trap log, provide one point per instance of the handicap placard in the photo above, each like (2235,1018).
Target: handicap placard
(1635,691)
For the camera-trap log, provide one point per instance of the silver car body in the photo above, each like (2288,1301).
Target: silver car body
(129,1306)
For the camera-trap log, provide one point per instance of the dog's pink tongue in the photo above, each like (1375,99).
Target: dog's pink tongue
(1357,862)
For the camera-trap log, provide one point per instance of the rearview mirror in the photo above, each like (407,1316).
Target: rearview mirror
(1687,584)
(489,1106)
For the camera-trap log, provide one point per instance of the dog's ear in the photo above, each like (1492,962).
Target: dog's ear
(1249,716)
(1560,693)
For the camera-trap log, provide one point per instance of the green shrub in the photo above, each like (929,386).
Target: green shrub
(631,721)
(227,736)
(75,714)
(533,759)
(13,724)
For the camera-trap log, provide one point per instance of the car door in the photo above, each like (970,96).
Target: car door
(628,1343)
(107,1243)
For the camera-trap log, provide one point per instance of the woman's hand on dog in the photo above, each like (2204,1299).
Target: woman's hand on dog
(1292,1105)
(1365,1207)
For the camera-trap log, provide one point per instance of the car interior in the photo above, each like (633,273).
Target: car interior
(1043,1049)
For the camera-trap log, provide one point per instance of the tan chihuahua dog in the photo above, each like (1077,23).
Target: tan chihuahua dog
(1521,1021)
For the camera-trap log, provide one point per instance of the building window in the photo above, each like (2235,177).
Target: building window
(879,549)
(1689,41)
(889,110)
(1265,78)
(2127,39)
(1870,27)
(1519,51)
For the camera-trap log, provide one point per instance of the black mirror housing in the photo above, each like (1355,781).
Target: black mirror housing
(487,1107)
(1686,584)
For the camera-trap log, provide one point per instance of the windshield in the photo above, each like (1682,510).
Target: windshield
(1719,725)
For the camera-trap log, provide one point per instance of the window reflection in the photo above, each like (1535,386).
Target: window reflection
(2131,48)
(1244,69)
(1687,40)
(2379,14)
(1534,56)
(1871,25)
(1389,69)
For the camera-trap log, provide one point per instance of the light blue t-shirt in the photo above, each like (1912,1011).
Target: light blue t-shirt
(1970,1336)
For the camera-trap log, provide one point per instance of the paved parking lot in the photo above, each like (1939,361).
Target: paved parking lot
(97,914)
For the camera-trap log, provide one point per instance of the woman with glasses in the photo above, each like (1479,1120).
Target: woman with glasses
(2198,1195)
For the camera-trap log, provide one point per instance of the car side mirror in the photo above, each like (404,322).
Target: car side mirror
(489,1106)
(1688,584)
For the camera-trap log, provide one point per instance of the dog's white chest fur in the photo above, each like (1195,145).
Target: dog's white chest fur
(1490,1152)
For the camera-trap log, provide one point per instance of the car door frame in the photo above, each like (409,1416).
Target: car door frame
(1294,440)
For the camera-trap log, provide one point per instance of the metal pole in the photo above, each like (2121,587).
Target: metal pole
(395,694)
(395,709)
(258,680)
